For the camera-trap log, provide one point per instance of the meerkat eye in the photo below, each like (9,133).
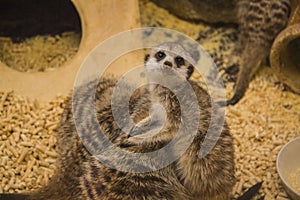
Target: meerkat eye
(179,61)
(160,55)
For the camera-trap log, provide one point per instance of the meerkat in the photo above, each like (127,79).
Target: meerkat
(259,22)
(81,176)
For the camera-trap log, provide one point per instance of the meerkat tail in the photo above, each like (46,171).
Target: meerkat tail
(14,197)
(248,69)
(249,66)
(251,192)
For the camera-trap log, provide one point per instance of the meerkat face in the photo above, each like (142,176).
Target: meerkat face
(170,56)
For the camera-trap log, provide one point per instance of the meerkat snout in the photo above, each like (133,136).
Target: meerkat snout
(167,63)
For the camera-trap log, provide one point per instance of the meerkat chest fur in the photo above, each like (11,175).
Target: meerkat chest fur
(168,71)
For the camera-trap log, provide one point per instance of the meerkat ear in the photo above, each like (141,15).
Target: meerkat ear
(146,57)
(190,71)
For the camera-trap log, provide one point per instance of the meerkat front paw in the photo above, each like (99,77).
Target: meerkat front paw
(141,128)
(141,133)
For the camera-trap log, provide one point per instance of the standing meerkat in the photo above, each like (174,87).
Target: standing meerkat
(81,176)
(260,21)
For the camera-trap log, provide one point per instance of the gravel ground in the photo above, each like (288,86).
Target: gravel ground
(261,123)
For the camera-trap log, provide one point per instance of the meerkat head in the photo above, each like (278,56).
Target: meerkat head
(170,56)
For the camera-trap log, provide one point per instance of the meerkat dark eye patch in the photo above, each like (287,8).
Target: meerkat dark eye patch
(190,70)
(179,61)
(160,55)
(146,57)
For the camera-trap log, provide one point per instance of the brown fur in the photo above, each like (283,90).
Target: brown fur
(260,21)
(80,176)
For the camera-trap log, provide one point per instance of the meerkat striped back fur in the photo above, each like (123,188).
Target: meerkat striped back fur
(259,22)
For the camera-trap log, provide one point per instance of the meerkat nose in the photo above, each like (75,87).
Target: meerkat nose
(168,63)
